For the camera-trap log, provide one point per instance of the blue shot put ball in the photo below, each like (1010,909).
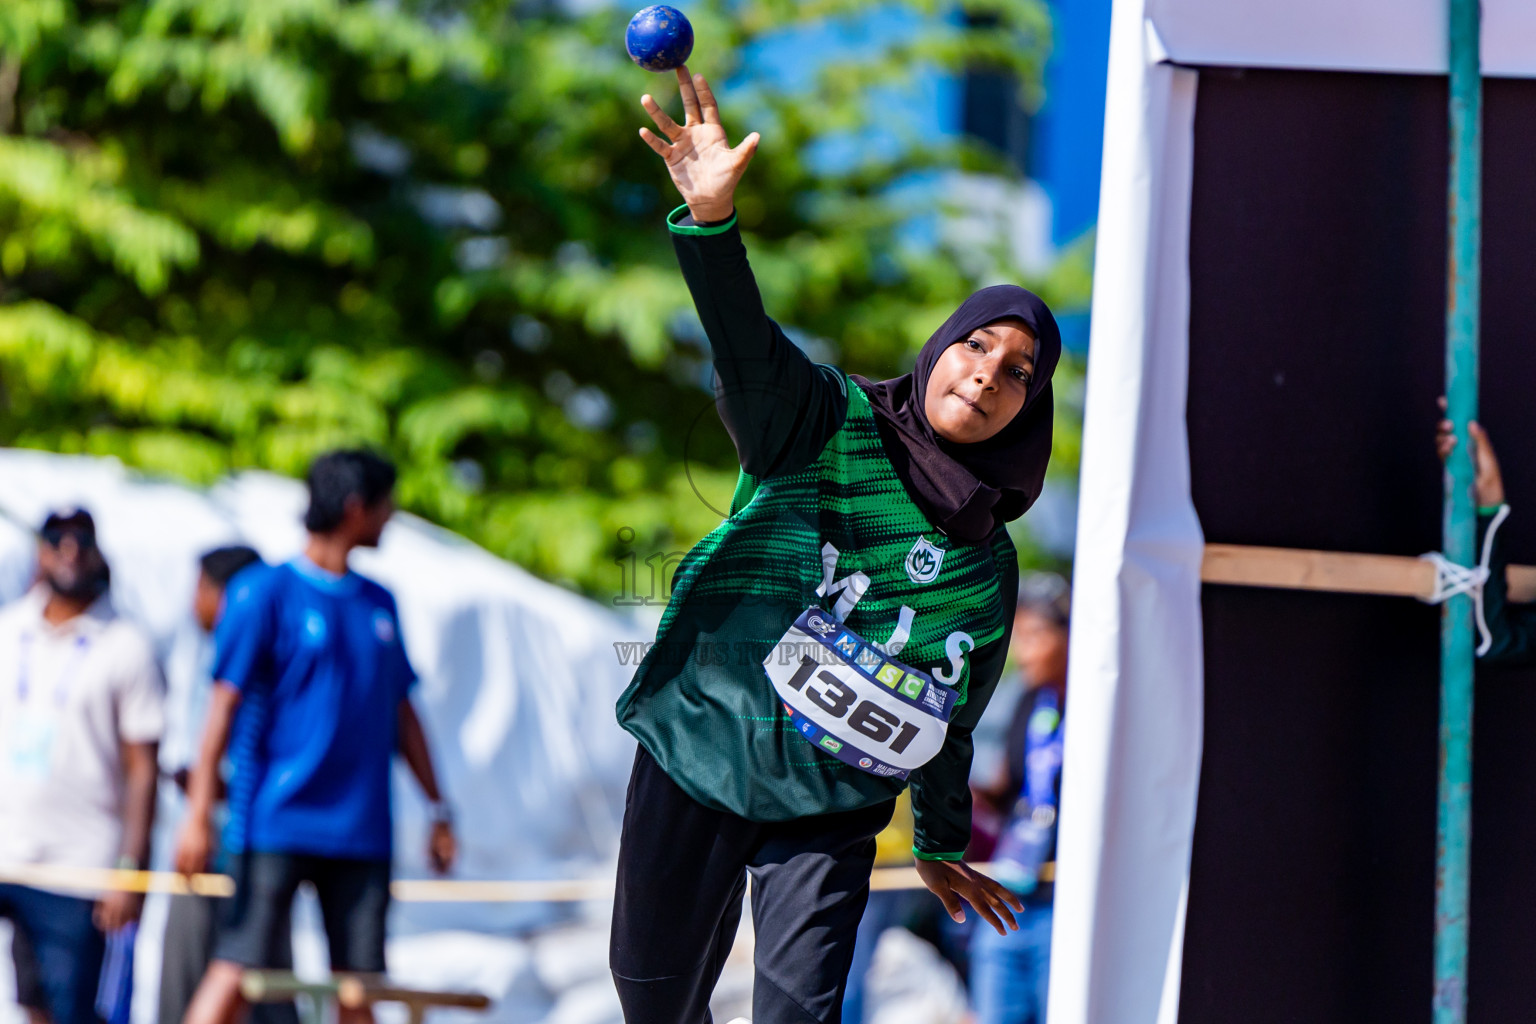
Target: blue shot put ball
(659,38)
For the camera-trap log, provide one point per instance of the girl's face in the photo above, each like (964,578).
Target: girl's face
(980,382)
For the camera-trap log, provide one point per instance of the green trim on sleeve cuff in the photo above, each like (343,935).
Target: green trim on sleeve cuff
(694,229)
(1488,510)
(920,855)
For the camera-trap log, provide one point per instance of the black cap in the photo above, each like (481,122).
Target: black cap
(71,519)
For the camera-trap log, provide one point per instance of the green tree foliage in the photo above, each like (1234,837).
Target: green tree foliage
(233,234)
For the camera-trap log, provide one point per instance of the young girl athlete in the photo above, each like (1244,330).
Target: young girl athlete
(834,640)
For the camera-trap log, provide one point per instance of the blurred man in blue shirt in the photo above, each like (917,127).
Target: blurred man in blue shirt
(311,701)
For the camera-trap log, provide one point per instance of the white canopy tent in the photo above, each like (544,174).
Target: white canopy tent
(1135,731)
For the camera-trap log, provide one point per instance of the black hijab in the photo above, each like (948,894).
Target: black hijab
(969,490)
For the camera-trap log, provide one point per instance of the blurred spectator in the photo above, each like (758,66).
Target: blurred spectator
(1513,628)
(191,924)
(1009,973)
(310,656)
(81,713)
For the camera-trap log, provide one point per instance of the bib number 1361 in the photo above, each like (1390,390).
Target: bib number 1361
(829,693)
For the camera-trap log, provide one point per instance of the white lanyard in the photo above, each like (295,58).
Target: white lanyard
(62,682)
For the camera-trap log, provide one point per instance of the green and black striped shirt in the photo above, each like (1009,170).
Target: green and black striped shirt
(819,517)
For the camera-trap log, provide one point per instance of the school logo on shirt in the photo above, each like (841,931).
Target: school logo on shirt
(923,561)
(314,627)
(383,626)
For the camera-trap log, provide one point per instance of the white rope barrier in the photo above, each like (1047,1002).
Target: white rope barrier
(1452,579)
(406,890)
(94,880)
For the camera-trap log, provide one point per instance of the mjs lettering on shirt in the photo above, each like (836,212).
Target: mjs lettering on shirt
(851,697)
(847,593)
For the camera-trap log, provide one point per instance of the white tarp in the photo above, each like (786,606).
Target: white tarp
(1134,735)
(1134,731)
(518,682)
(1408,36)
(518,677)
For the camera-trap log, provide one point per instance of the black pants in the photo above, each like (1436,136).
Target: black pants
(256,925)
(682,870)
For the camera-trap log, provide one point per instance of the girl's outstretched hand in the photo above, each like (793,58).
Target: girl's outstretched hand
(704,166)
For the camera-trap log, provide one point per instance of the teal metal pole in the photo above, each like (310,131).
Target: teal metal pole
(1454,828)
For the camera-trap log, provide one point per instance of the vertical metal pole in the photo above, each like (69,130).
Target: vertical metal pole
(1456,628)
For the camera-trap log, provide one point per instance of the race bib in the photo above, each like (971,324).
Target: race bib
(850,700)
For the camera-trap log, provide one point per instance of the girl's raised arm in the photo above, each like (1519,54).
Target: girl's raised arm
(779,407)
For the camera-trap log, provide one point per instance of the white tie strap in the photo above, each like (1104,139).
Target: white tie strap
(1452,579)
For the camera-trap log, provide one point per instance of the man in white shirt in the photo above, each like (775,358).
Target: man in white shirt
(81,712)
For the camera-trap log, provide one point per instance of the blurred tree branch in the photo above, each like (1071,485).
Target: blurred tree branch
(233,234)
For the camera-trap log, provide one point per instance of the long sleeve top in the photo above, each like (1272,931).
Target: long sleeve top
(781,409)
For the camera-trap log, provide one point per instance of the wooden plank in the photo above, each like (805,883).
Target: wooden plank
(359,992)
(260,986)
(452,890)
(447,890)
(407,890)
(94,880)
(1302,569)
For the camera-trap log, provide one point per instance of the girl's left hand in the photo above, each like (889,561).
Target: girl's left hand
(954,881)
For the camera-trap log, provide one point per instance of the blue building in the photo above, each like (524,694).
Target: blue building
(1066,144)
(1057,147)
